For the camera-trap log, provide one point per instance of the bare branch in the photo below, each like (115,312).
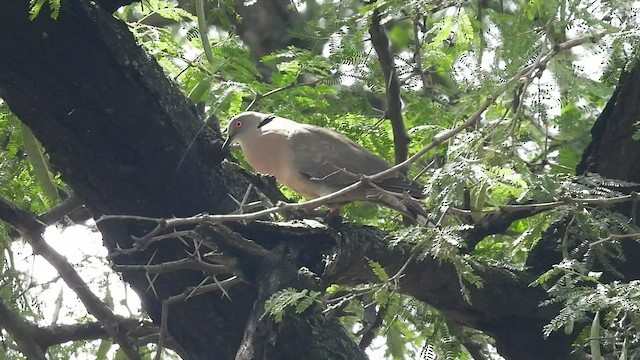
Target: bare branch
(182,264)
(614,237)
(59,334)
(61,210)
(31,229)
(232,240)
(22,332)
(518,211)
(33,340)
(598,202)
(372,320)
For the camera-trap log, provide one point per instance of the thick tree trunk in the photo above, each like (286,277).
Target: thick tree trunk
(119,132)
(614,153)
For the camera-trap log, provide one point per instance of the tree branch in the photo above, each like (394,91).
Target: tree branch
(182,264)
(31,229)
(61,210)
(33,340)
(22,333)
(380,43)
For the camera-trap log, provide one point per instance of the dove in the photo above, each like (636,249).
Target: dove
(315,161)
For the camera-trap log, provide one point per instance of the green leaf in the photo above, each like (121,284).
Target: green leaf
(478,196)
(306,302)
(103,349)
(35,6)
(199,92)
(594,342)
(176,14)
(378,270)
(395,343)
(39,164)
(290,297)
(120,355)
(464,34)
(444,28)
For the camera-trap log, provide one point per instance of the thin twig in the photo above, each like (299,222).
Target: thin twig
(22,332)
(600,202)
(232,240)
(613,237)
(170,266)
(61,210)
(294,84)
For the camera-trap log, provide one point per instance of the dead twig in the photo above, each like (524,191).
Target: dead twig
(170,266)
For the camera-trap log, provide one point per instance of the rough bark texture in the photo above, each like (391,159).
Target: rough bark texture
(119,132)
(613,153)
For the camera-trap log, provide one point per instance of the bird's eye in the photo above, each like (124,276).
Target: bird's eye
(238,124)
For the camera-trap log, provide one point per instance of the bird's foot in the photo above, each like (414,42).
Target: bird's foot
(333,218)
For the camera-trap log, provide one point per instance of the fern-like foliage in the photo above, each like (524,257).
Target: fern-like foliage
(299,301)
(36,5)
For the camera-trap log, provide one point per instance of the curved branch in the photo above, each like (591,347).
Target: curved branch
(22,333)
(31,229)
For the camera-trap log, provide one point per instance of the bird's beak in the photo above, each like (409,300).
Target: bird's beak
(227,144)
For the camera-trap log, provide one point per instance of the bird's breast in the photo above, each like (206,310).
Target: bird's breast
(266,154)
(271,154)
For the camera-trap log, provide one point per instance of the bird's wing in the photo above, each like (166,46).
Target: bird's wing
(333,160)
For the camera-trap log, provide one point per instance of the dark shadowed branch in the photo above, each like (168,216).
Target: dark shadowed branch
(22,332)
(31,230)
(380,43)
(33,340)
(61,210)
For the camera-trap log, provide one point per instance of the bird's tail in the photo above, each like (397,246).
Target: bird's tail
(417,212)
(412,208)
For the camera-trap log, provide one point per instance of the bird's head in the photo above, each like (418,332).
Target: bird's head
(243,125)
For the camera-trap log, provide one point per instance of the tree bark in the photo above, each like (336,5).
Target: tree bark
(614,153)
(119,132)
